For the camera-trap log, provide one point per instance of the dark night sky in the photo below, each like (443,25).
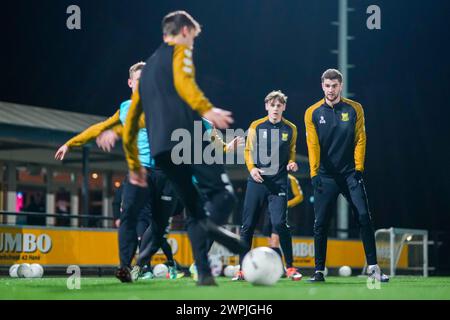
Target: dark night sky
(249,47)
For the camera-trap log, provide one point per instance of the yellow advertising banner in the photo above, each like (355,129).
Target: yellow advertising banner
(57,246)
(96,247)
(339,253)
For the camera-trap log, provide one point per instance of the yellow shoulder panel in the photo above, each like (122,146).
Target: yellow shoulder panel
(293,144)
(250,143)
(296,191)
(130,132)
(360,134)
(312,139)
(93,131)
(184,80)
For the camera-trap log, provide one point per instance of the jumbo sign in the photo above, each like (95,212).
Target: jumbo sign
(26,242)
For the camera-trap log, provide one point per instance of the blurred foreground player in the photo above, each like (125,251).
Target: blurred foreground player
(163,204)
(169,95)
(136,202)
(336,139)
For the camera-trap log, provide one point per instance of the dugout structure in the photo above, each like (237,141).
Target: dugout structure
(396,243)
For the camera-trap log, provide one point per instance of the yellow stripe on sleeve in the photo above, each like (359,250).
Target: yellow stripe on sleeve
(312,140)
(93,131)
(296,191)
(118,129)
(184,80)
(250,144)
(293,144)
(360,135)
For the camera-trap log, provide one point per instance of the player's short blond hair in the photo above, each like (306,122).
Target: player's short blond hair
(136,67)
(276,95)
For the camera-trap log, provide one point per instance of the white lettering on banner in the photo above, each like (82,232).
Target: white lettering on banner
(44,243)
(27,242)
(303,249)
(12,244)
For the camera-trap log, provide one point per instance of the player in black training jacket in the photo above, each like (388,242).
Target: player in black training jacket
(273,137)
(336,138)
(171,100)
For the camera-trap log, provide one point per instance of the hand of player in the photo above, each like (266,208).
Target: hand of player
(117,223)
(256,175)
(220,118)
(138,178)
(59,155)
(235,143)
(107,140)
(292,167)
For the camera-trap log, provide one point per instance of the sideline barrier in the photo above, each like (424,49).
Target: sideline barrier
(58,246)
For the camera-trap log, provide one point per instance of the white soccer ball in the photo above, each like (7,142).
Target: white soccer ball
(262,266)
(24,271)
(37,270)
(229,271)
(160,271)
(345,271)
(13,270)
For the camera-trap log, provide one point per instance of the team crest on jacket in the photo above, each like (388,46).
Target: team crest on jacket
(345,116)
(284,136)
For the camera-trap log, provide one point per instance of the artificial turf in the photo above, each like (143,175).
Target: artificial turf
(105,288)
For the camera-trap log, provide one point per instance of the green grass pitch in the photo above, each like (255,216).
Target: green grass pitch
(185,289)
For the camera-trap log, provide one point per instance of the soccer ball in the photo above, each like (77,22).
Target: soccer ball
(160,270)
(345,271)
(229,271)
(36,270)
(13,271)
(262,266)
(24,271)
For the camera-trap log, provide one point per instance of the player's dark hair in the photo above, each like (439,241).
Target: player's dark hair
(332,74)
(175,21)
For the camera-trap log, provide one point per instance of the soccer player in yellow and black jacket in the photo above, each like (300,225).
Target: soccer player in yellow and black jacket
(336,139)
(273,137)
(170,98)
